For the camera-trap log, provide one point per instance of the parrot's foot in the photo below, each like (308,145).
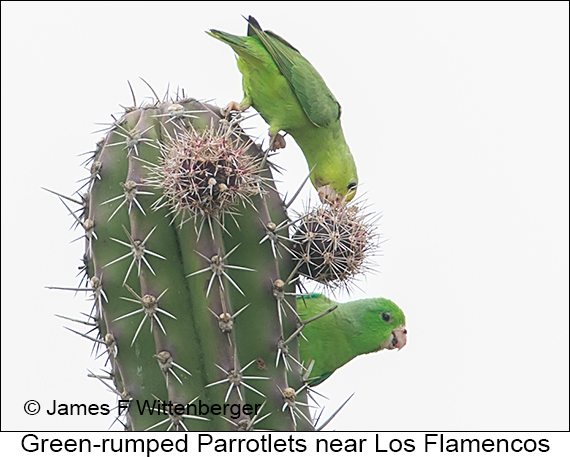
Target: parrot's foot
(233,106)
(277,142)
(328,195)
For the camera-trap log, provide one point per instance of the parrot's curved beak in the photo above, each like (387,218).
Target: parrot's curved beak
(328,195)
(398,340)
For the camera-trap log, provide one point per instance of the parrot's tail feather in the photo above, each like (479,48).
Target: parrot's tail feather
(252,24)
(235,42)
(254,29)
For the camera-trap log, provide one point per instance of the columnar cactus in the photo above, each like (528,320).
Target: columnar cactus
(193,272)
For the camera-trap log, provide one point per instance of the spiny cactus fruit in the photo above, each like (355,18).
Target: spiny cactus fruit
(193,272)
(332,244)
(204,174)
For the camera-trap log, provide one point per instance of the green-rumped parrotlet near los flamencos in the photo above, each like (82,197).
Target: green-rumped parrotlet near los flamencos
(291,96)
(354,328)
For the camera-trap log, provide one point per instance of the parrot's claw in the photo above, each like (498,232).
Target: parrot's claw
(277,142)
(232,106)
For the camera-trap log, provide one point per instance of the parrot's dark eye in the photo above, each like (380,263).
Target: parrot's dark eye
(386,317)
(352,185)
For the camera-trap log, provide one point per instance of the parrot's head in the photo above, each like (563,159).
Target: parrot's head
(387,323)
(336,180)
(328,193)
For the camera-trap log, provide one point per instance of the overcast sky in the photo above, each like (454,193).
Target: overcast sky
(457,115)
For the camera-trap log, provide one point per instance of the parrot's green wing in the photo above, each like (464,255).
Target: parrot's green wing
(319,104)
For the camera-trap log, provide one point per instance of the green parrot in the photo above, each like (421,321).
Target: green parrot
(291,96)
(352,329)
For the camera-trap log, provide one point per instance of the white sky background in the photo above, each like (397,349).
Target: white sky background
(457,115)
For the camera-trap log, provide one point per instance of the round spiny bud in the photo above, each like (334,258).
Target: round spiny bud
(331,244)
(205,173)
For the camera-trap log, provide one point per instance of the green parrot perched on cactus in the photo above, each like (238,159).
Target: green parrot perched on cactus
(354,328)
(291,96)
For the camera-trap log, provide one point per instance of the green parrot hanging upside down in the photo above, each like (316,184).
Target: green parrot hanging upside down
(291,96)
(353,328)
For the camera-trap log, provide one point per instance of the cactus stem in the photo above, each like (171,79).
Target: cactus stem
(159,166)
